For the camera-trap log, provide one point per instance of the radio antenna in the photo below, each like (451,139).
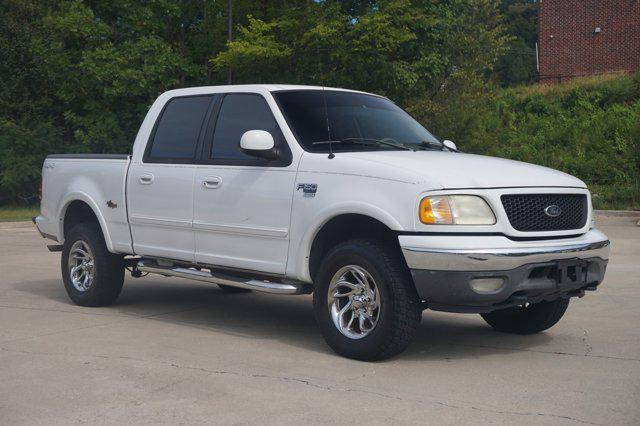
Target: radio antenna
(324,101)
(326,117)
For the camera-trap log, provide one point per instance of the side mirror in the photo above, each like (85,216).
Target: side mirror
(450,145)
(259,144)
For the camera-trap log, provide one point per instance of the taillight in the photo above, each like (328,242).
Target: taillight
(40,188)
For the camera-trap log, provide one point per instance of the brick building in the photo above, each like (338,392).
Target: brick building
(586,37)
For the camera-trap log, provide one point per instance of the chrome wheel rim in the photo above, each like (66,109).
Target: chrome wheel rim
(81,266)
(354,301)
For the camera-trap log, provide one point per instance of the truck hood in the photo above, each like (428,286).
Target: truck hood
(453,170)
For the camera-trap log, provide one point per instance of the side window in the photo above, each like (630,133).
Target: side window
(176,134)
(240,113)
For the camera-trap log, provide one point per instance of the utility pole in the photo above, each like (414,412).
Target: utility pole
(230,36)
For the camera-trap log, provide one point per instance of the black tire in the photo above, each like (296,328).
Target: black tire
(531,319)
(108,269)
(232,289)
(400,310)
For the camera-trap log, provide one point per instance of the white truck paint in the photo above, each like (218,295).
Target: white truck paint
(262,219)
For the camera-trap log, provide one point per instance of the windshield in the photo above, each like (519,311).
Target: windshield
(351,122)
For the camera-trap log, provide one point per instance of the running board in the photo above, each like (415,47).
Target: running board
(224,279)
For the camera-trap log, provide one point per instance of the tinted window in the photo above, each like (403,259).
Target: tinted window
(238,114)
(317,116)
(176,134)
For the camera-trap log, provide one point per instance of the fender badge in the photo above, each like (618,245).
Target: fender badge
(112,205)
(308,189)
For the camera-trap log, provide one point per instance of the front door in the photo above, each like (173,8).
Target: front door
(243,203)
(160,187)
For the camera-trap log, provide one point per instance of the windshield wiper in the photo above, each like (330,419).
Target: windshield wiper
(363,141)
(431,145)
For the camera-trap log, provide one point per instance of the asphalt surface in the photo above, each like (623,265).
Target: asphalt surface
(177,351)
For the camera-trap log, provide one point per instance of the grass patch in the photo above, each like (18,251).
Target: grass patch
(593,82)
(17,214)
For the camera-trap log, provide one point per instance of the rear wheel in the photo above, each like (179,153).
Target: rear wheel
(528,319)
(92,275)
(365,302)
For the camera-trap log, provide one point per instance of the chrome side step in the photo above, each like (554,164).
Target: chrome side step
(153,267)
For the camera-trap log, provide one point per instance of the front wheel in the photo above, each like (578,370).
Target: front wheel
(527,319)
(92,275)
(364,301)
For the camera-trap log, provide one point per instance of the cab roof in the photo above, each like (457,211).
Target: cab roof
(252,88)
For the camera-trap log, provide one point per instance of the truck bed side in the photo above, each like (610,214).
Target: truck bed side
(97,180)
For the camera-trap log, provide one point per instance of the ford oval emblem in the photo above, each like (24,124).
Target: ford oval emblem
(553,210)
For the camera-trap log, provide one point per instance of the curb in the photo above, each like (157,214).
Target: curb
(14,225)
(618,213)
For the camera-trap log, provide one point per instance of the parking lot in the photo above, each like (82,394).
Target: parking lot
(177,351)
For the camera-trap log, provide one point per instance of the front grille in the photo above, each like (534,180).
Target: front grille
(526,212)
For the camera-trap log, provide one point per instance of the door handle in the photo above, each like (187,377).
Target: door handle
(146,179)
(212,182)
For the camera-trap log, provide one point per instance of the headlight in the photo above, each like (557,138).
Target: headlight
(455,210)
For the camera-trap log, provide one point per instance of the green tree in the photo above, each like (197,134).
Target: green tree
(400,48)
(79,75)
(27,113)
(518,64)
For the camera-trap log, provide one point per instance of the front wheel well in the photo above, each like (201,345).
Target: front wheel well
(78,212)
(346,227)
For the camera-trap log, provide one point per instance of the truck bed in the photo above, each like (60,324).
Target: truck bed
(95,179)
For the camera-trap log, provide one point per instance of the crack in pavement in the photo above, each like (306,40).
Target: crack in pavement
(98,314)
(584,340)
(588,354)
(308,382)
(329,388)
(125,319)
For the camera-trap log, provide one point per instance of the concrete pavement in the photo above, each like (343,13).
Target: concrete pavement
(176,351)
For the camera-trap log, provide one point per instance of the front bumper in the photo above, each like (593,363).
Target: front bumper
(443,268)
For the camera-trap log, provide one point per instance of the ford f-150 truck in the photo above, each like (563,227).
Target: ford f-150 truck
(297,189)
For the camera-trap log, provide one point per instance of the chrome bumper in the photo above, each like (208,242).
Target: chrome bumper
(496,253)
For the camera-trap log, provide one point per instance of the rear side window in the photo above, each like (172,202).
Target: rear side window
(238,114)
(176,134)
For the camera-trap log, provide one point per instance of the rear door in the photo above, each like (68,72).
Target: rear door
(243,203)
(160,187)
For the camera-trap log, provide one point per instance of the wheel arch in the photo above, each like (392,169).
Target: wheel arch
(342,227)
(80,208)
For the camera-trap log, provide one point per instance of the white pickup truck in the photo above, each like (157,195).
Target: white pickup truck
(296,189)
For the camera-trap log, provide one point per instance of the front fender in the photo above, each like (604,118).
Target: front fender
(324,216)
